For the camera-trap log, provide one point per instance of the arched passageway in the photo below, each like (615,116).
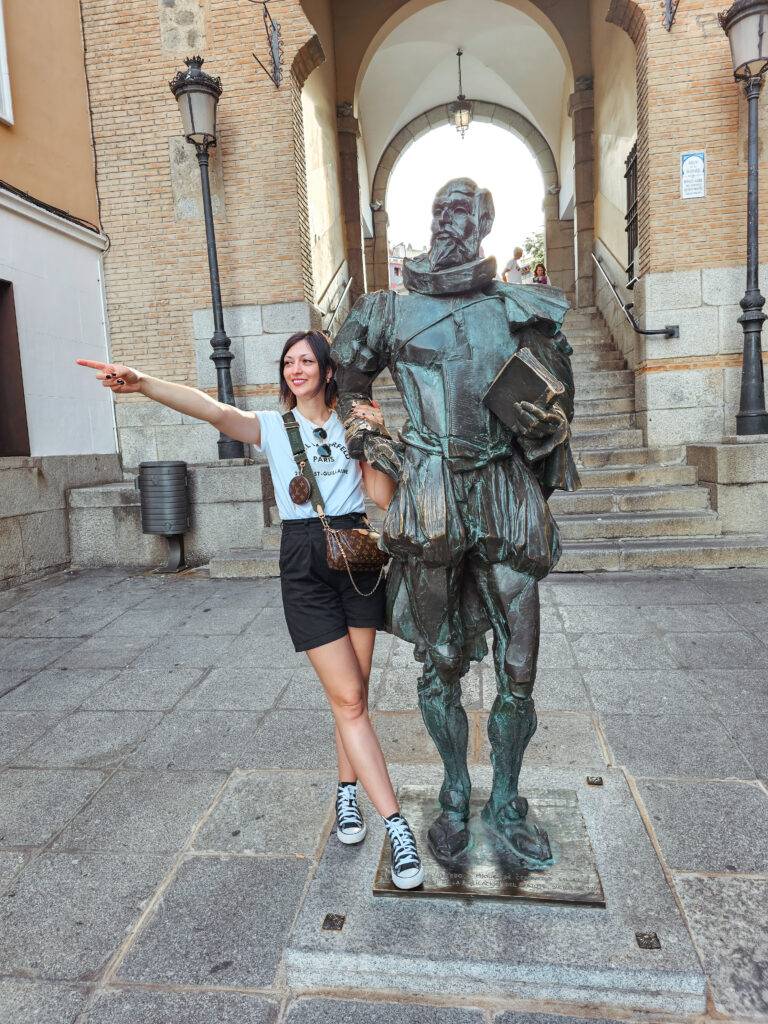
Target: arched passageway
(519,69)
(558,233)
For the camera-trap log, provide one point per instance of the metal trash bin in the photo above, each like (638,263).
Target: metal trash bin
(164,491)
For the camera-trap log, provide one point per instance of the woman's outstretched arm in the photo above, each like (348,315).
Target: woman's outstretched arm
(123,380)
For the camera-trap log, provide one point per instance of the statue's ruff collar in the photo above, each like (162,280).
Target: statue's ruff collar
(466,277)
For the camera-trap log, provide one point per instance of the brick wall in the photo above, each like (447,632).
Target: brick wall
(687,99)
(156,269)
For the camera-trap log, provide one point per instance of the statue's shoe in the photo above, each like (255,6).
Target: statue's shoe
(448,839)
(525,840)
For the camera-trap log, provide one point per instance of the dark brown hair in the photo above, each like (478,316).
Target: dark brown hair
(321,349)
(535,269)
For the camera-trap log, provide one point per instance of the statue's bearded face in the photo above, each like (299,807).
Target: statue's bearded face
(461,218)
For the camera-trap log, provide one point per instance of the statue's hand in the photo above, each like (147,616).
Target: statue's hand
(539,429)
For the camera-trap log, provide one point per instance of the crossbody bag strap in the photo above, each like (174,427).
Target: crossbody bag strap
(303,463)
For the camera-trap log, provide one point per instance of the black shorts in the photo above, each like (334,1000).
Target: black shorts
(320,604)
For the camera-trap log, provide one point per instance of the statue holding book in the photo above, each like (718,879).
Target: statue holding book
(484,374)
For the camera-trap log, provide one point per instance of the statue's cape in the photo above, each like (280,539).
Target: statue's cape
(525,304)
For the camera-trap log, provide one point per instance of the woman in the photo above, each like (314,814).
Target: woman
(540,274)
(328,617)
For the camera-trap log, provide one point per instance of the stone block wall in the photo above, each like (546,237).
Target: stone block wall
(148,181)
(736,475)
(34,533)
(230,503)
(686,388)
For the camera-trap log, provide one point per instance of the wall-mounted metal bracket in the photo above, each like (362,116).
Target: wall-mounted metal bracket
(275,44)
(670,10)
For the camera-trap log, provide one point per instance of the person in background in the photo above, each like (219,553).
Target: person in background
(540,274)
(513,272)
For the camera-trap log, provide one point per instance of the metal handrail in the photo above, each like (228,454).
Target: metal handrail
(339,305)
(670,331)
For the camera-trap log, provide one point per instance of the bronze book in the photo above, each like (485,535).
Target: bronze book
(523,378)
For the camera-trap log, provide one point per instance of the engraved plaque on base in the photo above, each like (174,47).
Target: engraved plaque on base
(487,871)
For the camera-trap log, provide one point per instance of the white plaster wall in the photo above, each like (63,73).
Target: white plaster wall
(56,276)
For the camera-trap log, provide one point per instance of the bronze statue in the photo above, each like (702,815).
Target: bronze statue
(469,528)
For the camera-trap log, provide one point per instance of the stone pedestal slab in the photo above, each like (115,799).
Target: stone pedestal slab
(502,950)
(736,474)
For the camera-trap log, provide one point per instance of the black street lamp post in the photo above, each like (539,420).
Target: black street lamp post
(197,94)
(745,24)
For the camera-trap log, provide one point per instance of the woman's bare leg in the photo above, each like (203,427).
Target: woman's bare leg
(363,641)
(338,669)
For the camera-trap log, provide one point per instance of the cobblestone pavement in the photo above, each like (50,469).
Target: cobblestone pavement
(166,777)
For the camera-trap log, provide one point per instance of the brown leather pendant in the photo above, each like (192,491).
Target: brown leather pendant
(299,490)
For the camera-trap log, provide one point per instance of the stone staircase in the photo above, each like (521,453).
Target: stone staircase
(639,507)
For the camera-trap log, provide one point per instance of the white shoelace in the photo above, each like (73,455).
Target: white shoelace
(348,814)
(404,854)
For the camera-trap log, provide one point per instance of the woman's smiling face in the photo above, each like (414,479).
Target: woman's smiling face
(300,370)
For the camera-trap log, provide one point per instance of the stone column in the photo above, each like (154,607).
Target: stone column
(558,242)
(348,133)
(582,111)
(380,249)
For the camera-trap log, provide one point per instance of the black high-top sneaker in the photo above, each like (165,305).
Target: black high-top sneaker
(407,870)
(350,827)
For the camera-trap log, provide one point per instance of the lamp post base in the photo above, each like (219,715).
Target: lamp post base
(748,423)
(229,449)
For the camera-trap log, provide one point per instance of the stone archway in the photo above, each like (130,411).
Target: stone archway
(558,233)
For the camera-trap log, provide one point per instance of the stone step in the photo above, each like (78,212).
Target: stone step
(629,499)
(593,458)
(578,556)
(638,476)
(585,422)
(631,525)
(598,361)
(244,563)
(586,380)
(608,404)
(582,346)
(724,552)
(629,438)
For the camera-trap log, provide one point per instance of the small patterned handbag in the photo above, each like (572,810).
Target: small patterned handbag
(351,550)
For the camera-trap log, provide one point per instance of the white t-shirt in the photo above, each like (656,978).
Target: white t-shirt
(338,477)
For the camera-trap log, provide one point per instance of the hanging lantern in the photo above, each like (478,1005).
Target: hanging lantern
(461,108)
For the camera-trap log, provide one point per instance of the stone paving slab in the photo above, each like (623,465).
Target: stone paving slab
(29,1002)
(500,951)
(202,740)
(709,826)
(237,690)
(19,729)
(57,689)
(137,812)
(727,917)
(223,921)
(70,912)
(250,817)
(89,739)
(216,770)
(136,1007)
(142,690)
(332,1011)
(35,804)
(673,746)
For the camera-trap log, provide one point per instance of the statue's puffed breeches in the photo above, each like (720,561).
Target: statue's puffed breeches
(496,512)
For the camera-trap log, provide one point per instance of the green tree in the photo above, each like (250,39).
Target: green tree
(534,248)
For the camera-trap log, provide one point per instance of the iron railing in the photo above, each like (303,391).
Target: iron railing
(670,331)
